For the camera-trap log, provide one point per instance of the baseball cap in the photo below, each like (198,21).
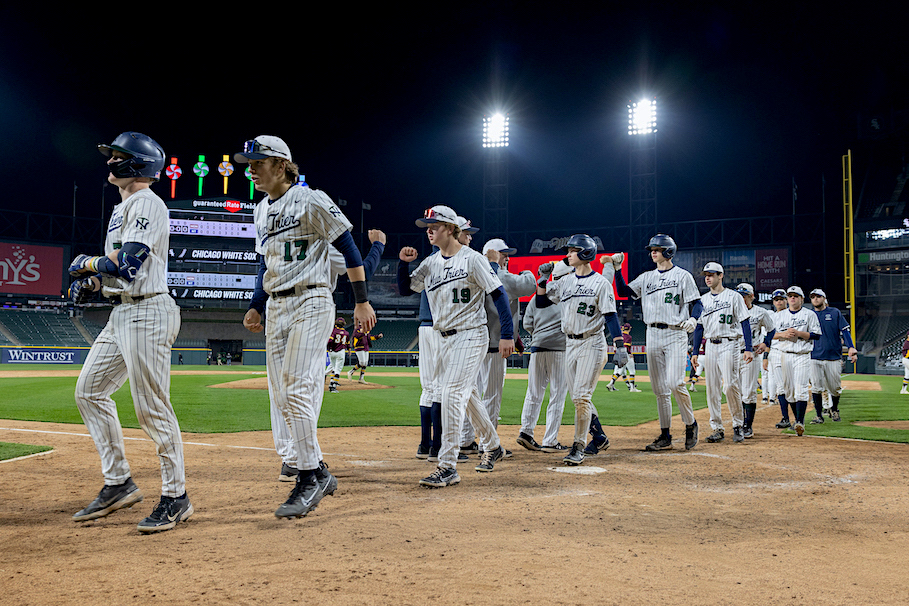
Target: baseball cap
(499,245)
(438,214)
(713,268)
(626,327)
(745,289)
(465,226)
(795,290)
(818,292)
(779,293)
(263,146)
(560,269)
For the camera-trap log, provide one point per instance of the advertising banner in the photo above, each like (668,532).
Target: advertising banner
(29,269)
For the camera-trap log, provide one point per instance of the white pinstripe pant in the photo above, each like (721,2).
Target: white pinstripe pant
(723,368)
(795,376)
(490,386)
(546,368)
(430,343)
(457,367)
(298,327)
(666,359)
(135,344)
(584,360)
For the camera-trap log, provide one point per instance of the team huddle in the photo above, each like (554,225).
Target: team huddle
(468,327)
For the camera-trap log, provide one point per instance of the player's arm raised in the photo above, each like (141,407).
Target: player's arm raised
(363,313)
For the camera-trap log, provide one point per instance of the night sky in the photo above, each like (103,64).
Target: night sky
(385,105)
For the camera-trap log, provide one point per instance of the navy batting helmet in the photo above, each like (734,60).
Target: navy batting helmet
(665,242)
(146,158)
(586,244)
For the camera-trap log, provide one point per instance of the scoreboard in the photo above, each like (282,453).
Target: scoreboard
(212,260)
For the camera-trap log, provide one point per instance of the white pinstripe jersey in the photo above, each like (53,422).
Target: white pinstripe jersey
(456,288)
(294,234)
(665,295)
(803,319)
(758,318)
(583,300)
(141,218)
(723,314)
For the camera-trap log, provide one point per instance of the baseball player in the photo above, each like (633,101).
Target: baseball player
(429,345)
(491,376)
(457,279)
(904,353)
(794,328)
(759,319)
(136,342)
(547,367)
(359,343)
(723,321)
(296,228)
(772,362)
(625,372)
(337,345)
(827,355)
(587,306)
(667,293)
(283,439)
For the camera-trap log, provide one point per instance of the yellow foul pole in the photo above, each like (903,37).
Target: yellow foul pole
(848,240)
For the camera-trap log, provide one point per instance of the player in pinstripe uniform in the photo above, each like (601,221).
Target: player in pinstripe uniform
(723,321)
(827,355)
(772,362)
(795,328)
(136,342)
(296,227)
(587,306)
(666,294)
(547,367)
(457,280)
(761,322)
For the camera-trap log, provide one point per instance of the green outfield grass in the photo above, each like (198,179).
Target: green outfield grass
(9,450)
(204,409)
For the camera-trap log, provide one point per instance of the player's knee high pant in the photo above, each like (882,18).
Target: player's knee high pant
(490,385)
(135,344)
(297,330)
(458,364)
(584,365)
(666,359)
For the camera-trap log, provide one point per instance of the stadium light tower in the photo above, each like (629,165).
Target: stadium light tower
(642,129)
(495,175)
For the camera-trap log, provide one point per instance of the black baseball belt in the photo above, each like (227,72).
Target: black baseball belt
(119,299)
(293,291)
(718,340)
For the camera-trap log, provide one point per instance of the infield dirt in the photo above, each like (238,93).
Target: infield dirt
(776,520)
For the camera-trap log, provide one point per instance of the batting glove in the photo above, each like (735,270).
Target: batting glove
(545,270)
(81,264)
(82,291)
(620,358)
(689,325)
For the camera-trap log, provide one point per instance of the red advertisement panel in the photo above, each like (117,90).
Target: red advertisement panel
(28,269)
(519,264)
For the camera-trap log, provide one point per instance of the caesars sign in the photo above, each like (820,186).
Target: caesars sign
(28,269)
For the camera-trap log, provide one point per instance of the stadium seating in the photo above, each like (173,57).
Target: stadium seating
(398,335)
(42,328)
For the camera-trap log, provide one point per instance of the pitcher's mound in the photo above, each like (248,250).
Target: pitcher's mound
(262,383)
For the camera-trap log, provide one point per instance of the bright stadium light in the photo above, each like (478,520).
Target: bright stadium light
(495,131)
(642,117)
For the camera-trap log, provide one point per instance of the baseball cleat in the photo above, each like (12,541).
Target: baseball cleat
(716,436)
(167,514)
(303,498)
(361,380)
(576,456)
(288,473)
(423,452)
(328,483)
(610,387)
(488,461)
(817,420)
(634,389)
(441,478)
(597,445)
(554,448)
(528,442)
(783,424)
(904,391)
(691,435)
(737,435)
(748,431)
(350,374)
(109,500)
(691,387)
(661,443)
(470,449)
(834,415)
(799,428)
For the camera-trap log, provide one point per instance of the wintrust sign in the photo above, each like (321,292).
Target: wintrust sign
(28,269)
